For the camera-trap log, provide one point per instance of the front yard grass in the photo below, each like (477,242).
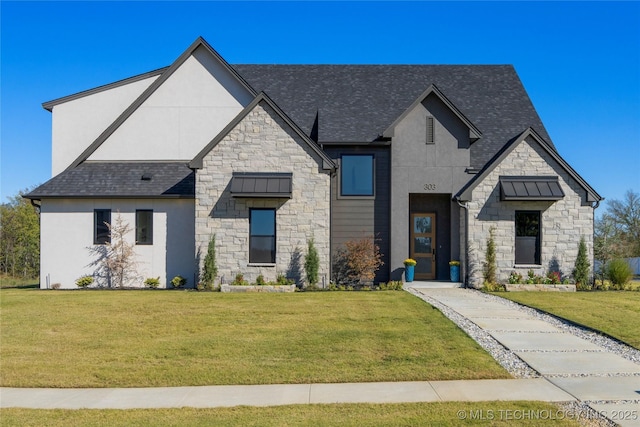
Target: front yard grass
(101,338)
(616,313)
(443,414)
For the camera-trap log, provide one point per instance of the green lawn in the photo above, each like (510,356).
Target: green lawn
(101,338)
(360,415)
(616,313)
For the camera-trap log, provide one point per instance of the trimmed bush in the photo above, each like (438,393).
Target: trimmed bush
(152,282)
(178,282)
(84,281)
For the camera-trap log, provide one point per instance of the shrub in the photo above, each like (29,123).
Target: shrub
(210,268)
(554,278)
(393,285)
(55,286)
(260,280)
(581,269)
(312,263)
(515,278)
(152,282)
(490,266)
(282,280)
(493,287)
(239,280)
(619,272)
(357,262)
(84,281)
(178,281)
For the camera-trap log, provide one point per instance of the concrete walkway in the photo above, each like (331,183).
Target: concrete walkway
(608,383)
(571,368)
(285,394)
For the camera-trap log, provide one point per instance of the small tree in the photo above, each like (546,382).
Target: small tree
(582,265)
(210,269)
(362,259)
(312,263)
(117,256)
(490,266)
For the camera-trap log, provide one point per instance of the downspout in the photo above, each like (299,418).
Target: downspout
(593,243)
(465,266)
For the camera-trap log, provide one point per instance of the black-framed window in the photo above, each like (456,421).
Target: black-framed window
(528,227)
(356,175)
(101,235)
(144,227)
(262,236)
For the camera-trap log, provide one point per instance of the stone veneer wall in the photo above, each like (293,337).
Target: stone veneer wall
(563,221)
(263,142)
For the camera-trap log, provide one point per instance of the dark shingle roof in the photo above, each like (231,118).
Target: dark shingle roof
(356,103)
(120,179)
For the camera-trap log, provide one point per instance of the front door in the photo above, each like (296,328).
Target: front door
(423,245)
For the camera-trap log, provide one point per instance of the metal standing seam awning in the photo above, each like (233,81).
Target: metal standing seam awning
(530,188)
(261,184)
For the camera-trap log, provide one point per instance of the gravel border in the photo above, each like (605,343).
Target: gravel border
(518,368)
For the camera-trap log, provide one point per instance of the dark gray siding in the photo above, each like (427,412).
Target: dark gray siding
(355,217)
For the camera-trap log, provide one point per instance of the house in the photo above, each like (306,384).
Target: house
(427,158)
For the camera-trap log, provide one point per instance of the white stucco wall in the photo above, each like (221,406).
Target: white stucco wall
(184,114)
(67,236)
(77,123)
(563,222)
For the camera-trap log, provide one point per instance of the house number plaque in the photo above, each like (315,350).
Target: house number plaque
(430,187)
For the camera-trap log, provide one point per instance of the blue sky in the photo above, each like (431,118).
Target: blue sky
(579,61)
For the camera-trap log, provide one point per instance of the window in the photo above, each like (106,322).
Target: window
(356,176)
(144,227)
(431,137)
(101,235)
(527,237)
(262,236)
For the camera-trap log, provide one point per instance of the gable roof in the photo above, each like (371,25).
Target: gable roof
(465,192)
(120,180)
(474,132)
(327,163)
(199,42)
(357,103)
(50,104)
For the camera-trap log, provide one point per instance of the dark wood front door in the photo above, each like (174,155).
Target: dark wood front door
(423,245)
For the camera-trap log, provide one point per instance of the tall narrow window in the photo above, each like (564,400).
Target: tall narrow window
(101,235)
(262,236)
(431,137)
(356,175)
(527,248)
(144,227)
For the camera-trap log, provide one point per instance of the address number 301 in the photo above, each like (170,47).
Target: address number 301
(430,187)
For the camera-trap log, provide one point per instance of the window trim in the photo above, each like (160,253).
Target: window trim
(538,248)
(149,241)
(275,238)
(340,194)
(98,229)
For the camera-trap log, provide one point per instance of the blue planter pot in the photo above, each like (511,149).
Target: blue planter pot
(408,272)
(454,273)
